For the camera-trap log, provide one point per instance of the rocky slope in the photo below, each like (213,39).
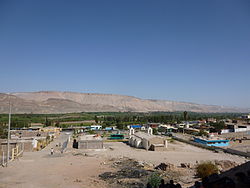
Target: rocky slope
(64,102)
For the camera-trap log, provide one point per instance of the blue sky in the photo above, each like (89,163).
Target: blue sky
(194,51)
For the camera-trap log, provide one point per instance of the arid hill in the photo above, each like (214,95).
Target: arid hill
(65,102)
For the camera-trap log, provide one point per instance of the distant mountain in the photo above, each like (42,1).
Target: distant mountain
(45,102)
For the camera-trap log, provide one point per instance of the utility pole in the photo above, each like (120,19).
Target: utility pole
(8,140)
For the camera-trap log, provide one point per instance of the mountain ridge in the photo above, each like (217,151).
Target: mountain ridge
(46,102)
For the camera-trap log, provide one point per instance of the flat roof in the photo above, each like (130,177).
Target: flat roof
(145,135)
(89,137)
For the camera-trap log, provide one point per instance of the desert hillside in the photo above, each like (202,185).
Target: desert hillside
(64,102)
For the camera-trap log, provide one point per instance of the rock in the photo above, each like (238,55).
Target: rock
(141,163)
(185,165)
(78,180)
(165,166)
(103,163)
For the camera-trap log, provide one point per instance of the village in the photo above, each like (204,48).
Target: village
(172,150)
(124,94)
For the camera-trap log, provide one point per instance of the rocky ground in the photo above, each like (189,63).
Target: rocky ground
(130,173)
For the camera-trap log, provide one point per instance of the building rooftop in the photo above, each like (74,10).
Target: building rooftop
(90,137)
(145,135)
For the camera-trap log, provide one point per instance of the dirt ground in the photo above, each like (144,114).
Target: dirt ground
(81,168)
(40,170)
(176,153)
(243,146)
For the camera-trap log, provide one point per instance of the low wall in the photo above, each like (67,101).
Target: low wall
(90,144)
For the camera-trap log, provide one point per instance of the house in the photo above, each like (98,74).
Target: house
(154,125)
(212,120)
(167,128)
(212,141)
(27,144)
(147,141)
(90,142)
(135,126)
(245,116)
(22,134)
(95,127)
(55,130)
(232,127)
(110,128)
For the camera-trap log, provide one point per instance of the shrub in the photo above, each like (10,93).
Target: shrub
(154,180)
(206,168)
(155,131)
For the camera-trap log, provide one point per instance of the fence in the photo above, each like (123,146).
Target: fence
(15,151)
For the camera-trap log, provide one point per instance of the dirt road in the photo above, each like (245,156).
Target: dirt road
(40,170)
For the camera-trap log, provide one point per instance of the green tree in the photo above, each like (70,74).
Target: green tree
(3,131)
(218,126)
(47,122)
(154,131)
(96,120)
(185,115)
(57,124)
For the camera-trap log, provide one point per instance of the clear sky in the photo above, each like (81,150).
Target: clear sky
(194,51)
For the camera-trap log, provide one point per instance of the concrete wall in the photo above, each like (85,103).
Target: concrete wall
(241,129)
(90,144)
(27,133)
(156,140)
(28,146)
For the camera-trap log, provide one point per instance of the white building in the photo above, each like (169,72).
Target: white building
(231,127)
(147,141)
(246,116)
(95,127)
